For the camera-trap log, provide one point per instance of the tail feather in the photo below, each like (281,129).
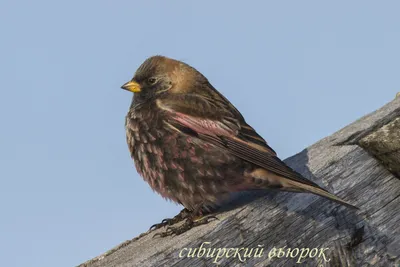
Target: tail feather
(318,191)
(271,180)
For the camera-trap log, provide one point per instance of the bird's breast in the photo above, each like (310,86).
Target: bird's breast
(176,165)
(145,135)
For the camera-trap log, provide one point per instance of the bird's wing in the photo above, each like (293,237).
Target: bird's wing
(218,122)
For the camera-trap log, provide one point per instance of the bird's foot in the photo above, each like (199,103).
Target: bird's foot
(185,213)
(186,226)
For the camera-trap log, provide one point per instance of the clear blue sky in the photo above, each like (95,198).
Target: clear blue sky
(297,70)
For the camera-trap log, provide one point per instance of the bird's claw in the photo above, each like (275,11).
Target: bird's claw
(163,223)
(171,221)
(189,224)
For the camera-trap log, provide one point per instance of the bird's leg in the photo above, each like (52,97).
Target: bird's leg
(183,214)
(196,217)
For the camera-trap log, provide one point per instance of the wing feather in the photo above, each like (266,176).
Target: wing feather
(226,129)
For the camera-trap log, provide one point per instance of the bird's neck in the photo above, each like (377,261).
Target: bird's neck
(139,101)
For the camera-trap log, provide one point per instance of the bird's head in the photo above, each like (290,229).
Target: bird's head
(160,75)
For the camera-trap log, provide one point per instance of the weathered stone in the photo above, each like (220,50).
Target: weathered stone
(384,144)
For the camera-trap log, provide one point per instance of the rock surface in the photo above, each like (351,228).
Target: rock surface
(360,163)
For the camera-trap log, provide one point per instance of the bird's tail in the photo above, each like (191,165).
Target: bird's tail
(292,185)
(295,184)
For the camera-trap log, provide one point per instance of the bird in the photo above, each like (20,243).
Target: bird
(193,146)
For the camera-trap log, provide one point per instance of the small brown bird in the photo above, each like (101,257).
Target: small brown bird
(193,146)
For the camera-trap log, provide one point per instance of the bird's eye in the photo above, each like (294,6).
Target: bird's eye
(152,80)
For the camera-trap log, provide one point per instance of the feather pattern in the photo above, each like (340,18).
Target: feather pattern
(193,146)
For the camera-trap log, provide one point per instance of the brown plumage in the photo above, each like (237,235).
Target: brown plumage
(193,146)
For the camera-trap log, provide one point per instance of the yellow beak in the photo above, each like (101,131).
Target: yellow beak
(131,86)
